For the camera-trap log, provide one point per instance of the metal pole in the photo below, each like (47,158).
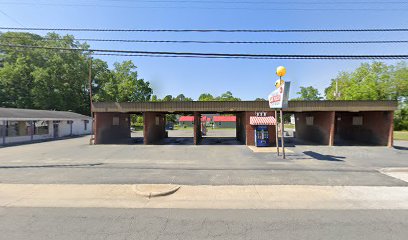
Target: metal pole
(276,132)
(337,90)
(282,135)
(90,97)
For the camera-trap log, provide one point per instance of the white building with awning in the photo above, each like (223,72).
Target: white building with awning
(29,125)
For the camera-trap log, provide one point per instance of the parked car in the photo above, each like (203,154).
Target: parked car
(169,126)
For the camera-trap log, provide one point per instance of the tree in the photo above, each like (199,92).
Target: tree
(309,94)
(227,96)
(260,99)
(48,79)
(155,98)
(41,78)
(182,98)
(401,118)
(123,85)
(376,81)
(167,98)
(206,97)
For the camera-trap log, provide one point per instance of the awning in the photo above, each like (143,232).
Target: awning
(262,120)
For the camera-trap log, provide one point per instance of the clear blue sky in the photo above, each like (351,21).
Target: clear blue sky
(247,79)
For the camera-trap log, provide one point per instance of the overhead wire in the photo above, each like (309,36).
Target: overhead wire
(216,55)
(200,7)
(218,42)
(206,30)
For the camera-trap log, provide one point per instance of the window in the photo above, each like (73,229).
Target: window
(17,128)
(86,125)
(157,121)
(309,121)
(115,121)
(41,128)
(357,121)
(2,128)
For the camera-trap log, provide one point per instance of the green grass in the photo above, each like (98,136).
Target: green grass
(290,126)
(401,135)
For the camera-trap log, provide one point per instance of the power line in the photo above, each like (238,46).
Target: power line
(205,30)
(217,55)
(200,7)
(220,42)
(11,18)
(262,2)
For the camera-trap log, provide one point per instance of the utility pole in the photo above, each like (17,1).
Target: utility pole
(336,94)
(90,97)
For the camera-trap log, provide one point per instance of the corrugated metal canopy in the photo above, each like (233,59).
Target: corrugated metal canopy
(240,106)
(31,114)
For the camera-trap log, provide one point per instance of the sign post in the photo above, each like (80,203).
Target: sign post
(276,132)
(278,99)
(282,135)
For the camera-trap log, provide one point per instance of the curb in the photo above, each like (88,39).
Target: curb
(156,194)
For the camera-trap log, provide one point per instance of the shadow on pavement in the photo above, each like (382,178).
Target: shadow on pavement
(401,148)
(220,141)
(322,157)
(53,166)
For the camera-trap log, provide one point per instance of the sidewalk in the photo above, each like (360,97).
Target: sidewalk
(205,197)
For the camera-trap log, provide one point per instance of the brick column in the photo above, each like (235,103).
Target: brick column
(391,130)
(332,119)
(197,128)
(154,127)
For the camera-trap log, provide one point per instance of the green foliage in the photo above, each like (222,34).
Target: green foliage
(308,94)
(401,118)
(182,98)
(170,98)
(227,96)
(40,78)
(206,97)
(260,99)
(123,85)
(155,98)
(375,81)
(49,79)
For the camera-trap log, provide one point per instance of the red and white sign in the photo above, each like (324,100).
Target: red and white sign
(279,97)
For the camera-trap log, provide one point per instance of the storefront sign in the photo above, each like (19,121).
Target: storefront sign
(278,99)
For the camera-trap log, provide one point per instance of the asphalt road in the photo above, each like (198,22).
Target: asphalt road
(96,223)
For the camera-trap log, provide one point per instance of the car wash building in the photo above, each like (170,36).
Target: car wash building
(316,122)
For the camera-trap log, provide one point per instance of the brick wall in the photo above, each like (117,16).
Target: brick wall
(375,129)
(154,127)
(105,130)
(250,130)
(319,132)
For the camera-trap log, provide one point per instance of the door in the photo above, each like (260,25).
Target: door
(56,130)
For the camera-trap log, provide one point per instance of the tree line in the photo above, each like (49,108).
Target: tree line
(370,81)
(56,79)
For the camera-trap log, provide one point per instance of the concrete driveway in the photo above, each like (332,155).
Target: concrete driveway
(218,163)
